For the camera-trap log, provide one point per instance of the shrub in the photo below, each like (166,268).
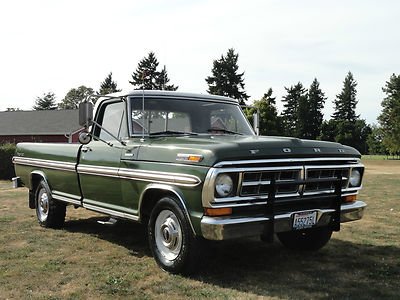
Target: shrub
(6,166)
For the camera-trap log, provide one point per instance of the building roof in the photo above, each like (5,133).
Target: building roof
(38,122)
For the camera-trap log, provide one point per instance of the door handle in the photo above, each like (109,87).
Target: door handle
(86,149)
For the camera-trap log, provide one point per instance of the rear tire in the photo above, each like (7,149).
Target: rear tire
(171,240)
(50,213)
(305,240)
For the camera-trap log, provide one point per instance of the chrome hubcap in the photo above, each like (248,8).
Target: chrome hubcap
(168,234)
(43,205)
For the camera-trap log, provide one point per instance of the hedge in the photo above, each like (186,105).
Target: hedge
(6,166)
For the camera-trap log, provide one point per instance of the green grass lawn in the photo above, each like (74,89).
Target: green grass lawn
(86,260)
(380,157)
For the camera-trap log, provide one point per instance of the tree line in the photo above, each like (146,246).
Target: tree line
(302,114)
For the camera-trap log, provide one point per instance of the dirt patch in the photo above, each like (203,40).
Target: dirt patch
(376,167)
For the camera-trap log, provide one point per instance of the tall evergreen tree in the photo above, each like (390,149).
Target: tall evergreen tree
(108,86)
(346,102)
(46,102)
(294,114)
(225,79)
(75,96)
(316,100)
(148,77)
(270,122)
(389,118)
(162,81)
(328,130)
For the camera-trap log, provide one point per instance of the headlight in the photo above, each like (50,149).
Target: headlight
(355,178)
(223,185)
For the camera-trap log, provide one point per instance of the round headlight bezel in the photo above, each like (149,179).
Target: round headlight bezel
(223,185)
(355,178)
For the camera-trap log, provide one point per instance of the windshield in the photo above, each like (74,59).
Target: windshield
(166,116)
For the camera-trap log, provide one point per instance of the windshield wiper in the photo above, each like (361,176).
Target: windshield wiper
(172,132)
(223,131)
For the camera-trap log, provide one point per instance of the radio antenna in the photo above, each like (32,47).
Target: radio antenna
(143,120)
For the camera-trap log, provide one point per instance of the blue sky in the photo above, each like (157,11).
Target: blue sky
(57,45)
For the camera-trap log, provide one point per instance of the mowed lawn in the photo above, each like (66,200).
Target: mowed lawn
(87,260)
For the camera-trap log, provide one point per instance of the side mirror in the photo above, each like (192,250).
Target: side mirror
(256,123)
(85,114)
(84,137)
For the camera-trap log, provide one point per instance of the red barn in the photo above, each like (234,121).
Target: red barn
(39,126)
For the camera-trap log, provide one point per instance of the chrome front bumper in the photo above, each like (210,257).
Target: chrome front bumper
(223,228)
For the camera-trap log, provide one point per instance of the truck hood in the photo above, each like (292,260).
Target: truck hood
(217,148)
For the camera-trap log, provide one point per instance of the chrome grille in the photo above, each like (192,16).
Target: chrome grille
(296,180)
(259,183)
(323,179)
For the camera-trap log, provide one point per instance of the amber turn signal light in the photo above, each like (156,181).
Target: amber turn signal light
(217,212)
(350,198)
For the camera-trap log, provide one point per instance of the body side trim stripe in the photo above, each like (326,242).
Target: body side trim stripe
(144,175)
(65,199)
(49,164)
(161,177)
(110,212)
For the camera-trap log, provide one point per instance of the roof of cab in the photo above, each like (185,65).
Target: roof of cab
(170,94)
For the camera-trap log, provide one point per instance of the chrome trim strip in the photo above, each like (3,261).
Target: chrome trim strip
(253,198)
(43,163)
(162,177)
(127,161)
(258,169)
(142,175)
(334,166)
(240,204)
(284,160)
(97,170)
(62,197)
(74,197)
(110,212)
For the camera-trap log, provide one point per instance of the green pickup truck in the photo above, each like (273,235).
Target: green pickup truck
(191,168)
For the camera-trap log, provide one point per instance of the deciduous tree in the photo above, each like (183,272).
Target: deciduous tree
(75,96)
(270,122)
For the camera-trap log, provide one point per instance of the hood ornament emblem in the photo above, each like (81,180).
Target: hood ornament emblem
(255,151)
(287,150)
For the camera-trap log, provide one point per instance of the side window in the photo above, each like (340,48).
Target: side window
(114,121)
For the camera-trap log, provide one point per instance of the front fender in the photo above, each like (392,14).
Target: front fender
(164,188)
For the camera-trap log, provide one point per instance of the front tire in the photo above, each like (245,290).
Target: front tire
(50,213)
(305,240)
(171,240)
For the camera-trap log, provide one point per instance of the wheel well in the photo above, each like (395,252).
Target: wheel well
(35,180)
(149,200)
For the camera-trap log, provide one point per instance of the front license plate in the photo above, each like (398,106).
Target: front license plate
(304,220)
